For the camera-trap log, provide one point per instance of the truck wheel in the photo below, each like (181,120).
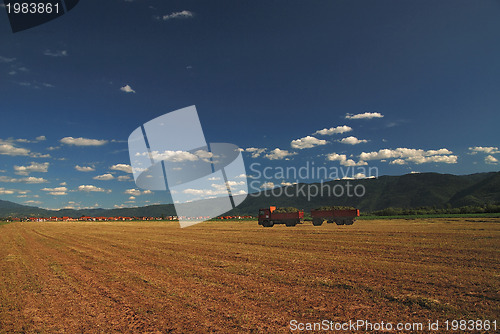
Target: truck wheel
(317,222)
(339,222)
(265,223)
(270,224)
(349,222)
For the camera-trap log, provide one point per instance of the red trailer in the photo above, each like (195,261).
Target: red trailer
(267,217)
(339,217)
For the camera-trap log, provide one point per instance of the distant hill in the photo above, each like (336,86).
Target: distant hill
(485,191)
(17,210)
(405,191)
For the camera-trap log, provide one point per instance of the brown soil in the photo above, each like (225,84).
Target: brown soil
(229,277)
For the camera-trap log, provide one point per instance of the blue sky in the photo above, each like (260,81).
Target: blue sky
(404,86)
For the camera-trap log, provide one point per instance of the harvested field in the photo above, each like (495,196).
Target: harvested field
(227,277)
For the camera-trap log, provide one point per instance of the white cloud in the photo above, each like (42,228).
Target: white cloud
(447,159)
(331,131)
(133,192)
(6,60)
(122,168)
(350,163)
(7,148)
(204,155)
(32,202)
(39,155)
(137,192)
(286,184)
(357,177)
(185,14)
(256,152)
(278,154)
(267,185)
(127,89)
(82,141)
(30,180)
(91,188)
(352,140)
(398,162)
(179,156)
(62,53)
(307,142)
(22,193)
(84,168)
(204,192)
(342,158)
(366,115)
(41,138)
(440,151)
(244,176)
(174,156)
(104,177)
(336,157)
(15,69)
(59,191)
(488,150)
(123,178)
(217,189)
(235,183)
(33,167)
(417,156)
(491,160)
(33,84)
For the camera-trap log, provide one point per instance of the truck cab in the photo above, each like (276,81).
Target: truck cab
(265,215)
(270,216)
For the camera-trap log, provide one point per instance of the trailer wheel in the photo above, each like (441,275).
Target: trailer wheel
(317,221)
(349,222)
(339,222)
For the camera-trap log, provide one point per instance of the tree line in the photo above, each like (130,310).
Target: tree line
(426,210)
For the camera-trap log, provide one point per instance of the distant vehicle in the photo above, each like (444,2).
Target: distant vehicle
(341,216)
(337,216)
(269,217)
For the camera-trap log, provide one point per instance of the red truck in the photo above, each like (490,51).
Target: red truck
(267,217)
(339,217)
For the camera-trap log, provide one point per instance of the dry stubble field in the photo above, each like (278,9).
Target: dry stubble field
(153,277)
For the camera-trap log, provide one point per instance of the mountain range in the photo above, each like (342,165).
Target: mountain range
(405,191)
